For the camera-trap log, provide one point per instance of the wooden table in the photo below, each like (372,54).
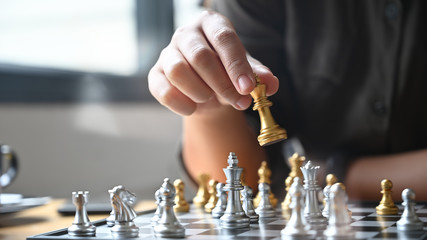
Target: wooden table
(45,218)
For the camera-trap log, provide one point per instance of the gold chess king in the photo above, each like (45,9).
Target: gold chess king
(270,131)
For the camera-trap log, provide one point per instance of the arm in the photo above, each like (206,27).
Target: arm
(405,170)
(205,75)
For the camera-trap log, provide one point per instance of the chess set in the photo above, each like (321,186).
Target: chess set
(200,225)
(236,217)
(229,211)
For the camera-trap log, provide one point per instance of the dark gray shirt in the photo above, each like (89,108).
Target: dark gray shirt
(353,74)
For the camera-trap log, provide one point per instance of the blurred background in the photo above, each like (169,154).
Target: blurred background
(74,100)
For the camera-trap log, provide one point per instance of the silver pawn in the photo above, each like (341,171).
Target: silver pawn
(156,215)
(234,216)
(168,225)
(248,204)
(312,211)
(111,219)
(297,227)
(81,225)
(409,220)
(265,209)
(339,217)
(326,191)
(221,204)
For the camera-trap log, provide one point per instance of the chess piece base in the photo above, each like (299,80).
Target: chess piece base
(253,218)
(297,234)
(169,231)
(111,219)
(297,237)
(266,213)
(232,221)
(384,210)
(342,232)
(317,222)
(82,230)
(271,135)
(409,226)
(125,230)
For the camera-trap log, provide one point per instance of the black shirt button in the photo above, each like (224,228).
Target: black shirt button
(391,10)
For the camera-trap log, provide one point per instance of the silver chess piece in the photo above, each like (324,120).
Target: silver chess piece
(81,225)
(339,217)
(168,225)
(156,215)
(326,191)
(112,218)
(122,201)
(312,210)
(221,204)
(265,208)
(248,204)
(409,220)
(234,216)
(297,227)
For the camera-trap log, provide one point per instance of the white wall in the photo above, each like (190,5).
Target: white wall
(71,147)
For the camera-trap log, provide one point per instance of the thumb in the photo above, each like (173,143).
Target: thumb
(265,75)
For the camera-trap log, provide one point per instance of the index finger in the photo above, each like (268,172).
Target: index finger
(223,38)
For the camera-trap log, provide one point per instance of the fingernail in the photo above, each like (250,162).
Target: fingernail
(245,84)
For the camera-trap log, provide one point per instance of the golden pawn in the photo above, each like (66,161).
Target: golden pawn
(295,161)
(331,179)
(386,206)
(213,197)
(270,131)
(202,195)
(181,205)
(264,174)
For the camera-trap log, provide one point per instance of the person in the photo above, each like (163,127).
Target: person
(352,89)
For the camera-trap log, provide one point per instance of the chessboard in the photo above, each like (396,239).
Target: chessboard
(200,225)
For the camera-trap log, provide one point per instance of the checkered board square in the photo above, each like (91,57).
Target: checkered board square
(199,225)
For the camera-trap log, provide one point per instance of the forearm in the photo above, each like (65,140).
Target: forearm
(208,139)
(405,170)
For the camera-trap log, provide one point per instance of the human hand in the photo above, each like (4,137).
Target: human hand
(205,66)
